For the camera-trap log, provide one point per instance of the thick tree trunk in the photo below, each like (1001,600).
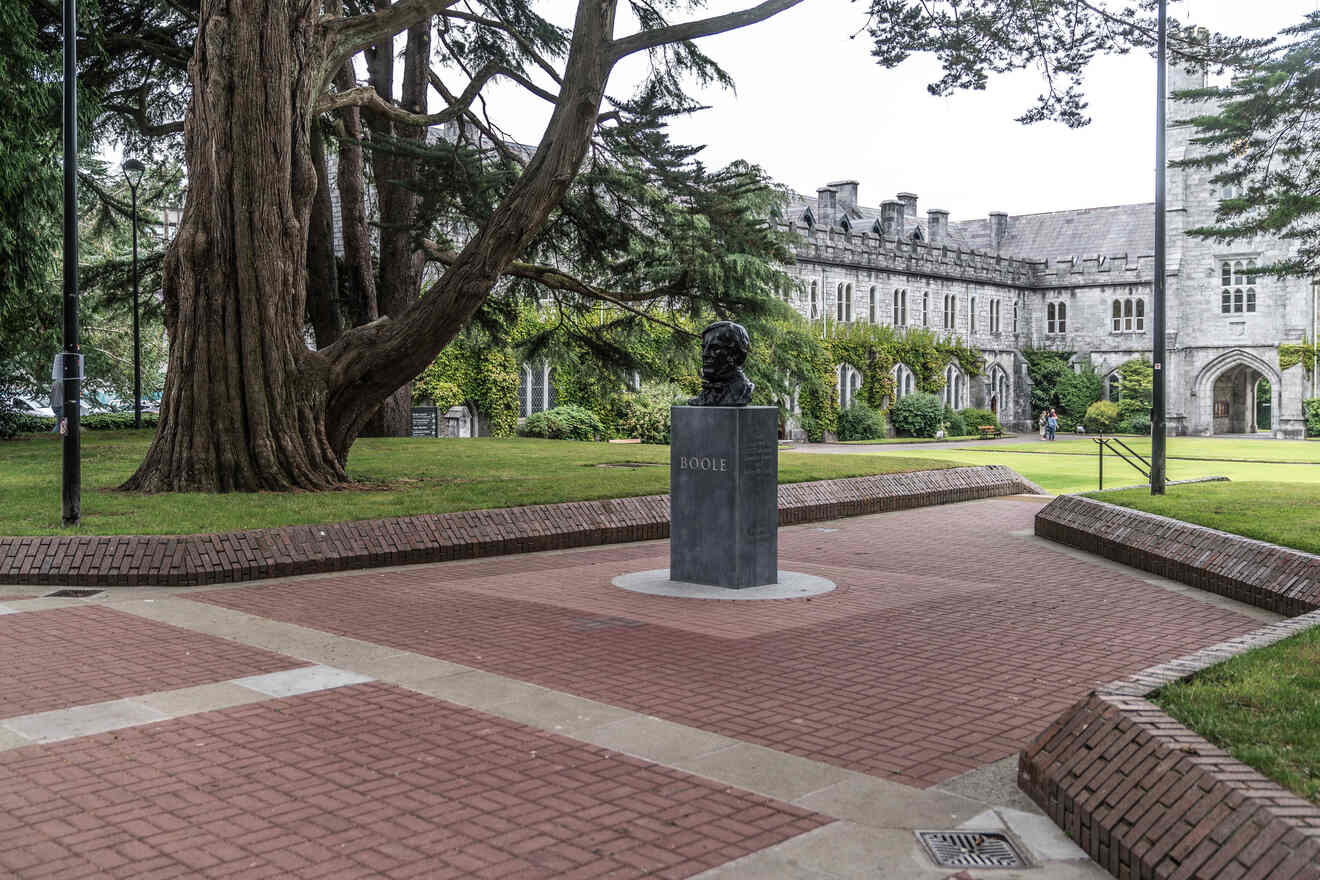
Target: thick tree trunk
(401,260)
(322,268)
(245,400)
(358,265)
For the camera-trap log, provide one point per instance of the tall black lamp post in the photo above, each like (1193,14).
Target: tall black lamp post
(1157,415)
(133,170)
(69,371)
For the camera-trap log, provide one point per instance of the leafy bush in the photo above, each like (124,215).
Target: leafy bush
(974,418)
(917,415)
(1077,391)
(644,416)
(1135,425)
(1136,390)
(12,423)
(567,422)
(1311,410)
(1101,417)
(861,422)
(111,421)
(955,425)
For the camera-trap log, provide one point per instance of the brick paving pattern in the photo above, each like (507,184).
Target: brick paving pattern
(949,644)
(1147,797)
(56,659)
(365,781)
(172,560)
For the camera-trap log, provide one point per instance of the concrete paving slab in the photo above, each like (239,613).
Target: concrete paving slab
(880,803)
(202,698)
(850,852)
(404,667)
(561,713)
(303,680)
(765,771)
(61,724)
(11,740)
(476,690)
(994,783)
(1046,840)
(5,609)
(656,740)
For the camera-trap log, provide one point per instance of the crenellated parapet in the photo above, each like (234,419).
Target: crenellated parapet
(950,260)
(866,250)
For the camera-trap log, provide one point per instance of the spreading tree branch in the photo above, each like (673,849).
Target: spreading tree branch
(691,30)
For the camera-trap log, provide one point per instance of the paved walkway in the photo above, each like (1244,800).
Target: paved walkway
(521,717)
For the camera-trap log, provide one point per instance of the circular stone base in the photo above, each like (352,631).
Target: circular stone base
(792,585)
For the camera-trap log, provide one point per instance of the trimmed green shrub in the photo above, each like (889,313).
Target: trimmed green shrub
(567,422)
(24,423)
(955,425)
(1311,409)
(861,422)
(1136,390)
(1101,417)
(644,416)
(1134,425)
(1077,391)
(974,418)
(917,415)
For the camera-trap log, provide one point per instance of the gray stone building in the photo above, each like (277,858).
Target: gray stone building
(1078,281)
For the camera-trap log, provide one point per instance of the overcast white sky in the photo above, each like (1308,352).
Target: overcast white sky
(811,106)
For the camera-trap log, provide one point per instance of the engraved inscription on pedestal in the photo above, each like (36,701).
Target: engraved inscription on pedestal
(724,515)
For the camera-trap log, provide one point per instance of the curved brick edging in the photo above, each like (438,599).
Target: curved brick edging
(179,560)
(1266,575)
(1146,797)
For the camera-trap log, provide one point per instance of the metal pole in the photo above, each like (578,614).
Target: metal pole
(1157,398)
(137,338)
(71,486)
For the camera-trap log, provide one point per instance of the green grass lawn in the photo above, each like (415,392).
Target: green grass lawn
(898,441)
(1070,465)
(1263,708)
(1286,513)
(394,477)
(1191,448)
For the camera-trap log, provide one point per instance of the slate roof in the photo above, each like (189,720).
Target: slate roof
(1110,231)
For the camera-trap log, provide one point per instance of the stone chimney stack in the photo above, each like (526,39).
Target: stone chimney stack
(1182,78)
(937,225)
(827,206)
(891,218)
(909,201)
(998,229)
(847,194)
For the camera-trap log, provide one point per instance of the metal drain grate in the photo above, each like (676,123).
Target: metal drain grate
(971,849)
(73,594)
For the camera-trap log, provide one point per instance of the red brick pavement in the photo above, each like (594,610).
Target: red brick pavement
(364,781)
(74,656)
(949,644)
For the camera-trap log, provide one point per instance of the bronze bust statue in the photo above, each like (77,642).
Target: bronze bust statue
(724,346)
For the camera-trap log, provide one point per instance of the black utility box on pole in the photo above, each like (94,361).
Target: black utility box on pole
(70,371)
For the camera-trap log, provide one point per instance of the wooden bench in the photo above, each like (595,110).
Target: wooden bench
(989,432)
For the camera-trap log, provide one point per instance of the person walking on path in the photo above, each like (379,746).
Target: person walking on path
(1044,417)
(1052,424)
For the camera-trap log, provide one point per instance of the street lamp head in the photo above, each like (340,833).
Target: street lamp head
(133,171)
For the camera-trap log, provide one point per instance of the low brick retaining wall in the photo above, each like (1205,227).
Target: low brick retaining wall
(1280,579)
(1147,798)
(177,560)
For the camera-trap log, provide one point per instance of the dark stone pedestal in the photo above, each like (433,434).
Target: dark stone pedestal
(723,482)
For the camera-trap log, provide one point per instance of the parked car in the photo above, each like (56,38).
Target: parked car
(29,407)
